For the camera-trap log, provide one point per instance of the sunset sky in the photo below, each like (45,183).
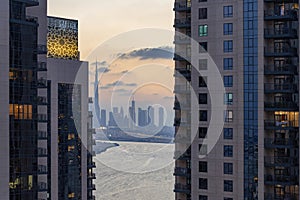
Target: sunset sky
(132,41)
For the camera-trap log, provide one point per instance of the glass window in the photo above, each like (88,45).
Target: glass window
(228,81)
(203,183)
(203,64)
(203,197)
(228,186)
(202,132)
(228,133)
(203,30)
(228,98)
(202,149)
(202,166)
(228,168)
(203,115)
(203,47)
(228,29)
(202,98)
(202,13)
(228,46)
(228,63)
(228,151)
(228,198)
(202,81)
(228,115)
(228,11)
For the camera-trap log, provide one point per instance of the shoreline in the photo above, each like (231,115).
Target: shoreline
(104,146)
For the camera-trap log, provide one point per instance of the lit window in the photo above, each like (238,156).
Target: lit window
(71,148)
(203,30)
(228,115)
(228,98)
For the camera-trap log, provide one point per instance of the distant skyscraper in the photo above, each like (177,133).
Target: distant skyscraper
(142,117)
(96,93)
(132,119)
(161,117)
(115,110)
(103,118)
(111,120)
(150,115)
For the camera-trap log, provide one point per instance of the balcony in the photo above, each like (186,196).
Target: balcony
(32,19)
(90,100)
(282,15)
(181,106)
(42,101)
(42,187)
(280,180)
(92,187)
(280,88)
(182,7)
(182,89)
(180,188)
(42,49)
(182,156)
(178,171)
(182,139)
(42,169)
(42,135)
(287,69)
(280,125)
(184,40)
(42,83)
(281,33)
(285,51)
(29,3)
(279,143)
(182,23)
(42,66)
(281,106)
(271,196)
(42,152)
(279,1)
(92,176)
(181,123)
(91,165)
(42,118)
(280,161)
(183,73)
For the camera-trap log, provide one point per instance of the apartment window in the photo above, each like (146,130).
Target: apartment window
(202,81)
(203,197)
(203,98)
(202,13)
(228,186)
(228,98)
(202,132)
(203,115)
(228,133)
(202,149)
(228,63)
(203,64)
(228,168)
(228,198)
(228,151)
(228,116)
(203,47)
(227,29)
(227,46)
(203,30)
(228,11)
(202,0)
(203,183)
(202,166)
(228,81)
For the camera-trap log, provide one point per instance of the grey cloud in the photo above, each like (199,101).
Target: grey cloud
(150,53)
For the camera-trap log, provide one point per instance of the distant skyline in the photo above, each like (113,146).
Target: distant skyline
(140,60)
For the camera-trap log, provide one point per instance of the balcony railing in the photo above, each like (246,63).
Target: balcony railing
(42,49)
(279,143)
(178,171)
(182,23)
(92,187)
(272,161)
(92,176)
(273,124)
(42,66)
(181,106)
(280,88)
(281,33)
(286,69)
(180,188)
(42,117)
(285,51)
(32,19)
(280,180)
(30,2)
(286,14)
(92,165)
(182,40)
(42,187)
(42,100)
(42,83)
(42,169)
(42,152)
(182,156)
(180,7)
(182,89)
(281,106)
(183,74)
(42,135)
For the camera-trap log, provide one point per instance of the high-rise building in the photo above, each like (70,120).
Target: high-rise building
(150,115)
(161,118)
(103,118)
(142,117)
(255,46)
(46,145)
